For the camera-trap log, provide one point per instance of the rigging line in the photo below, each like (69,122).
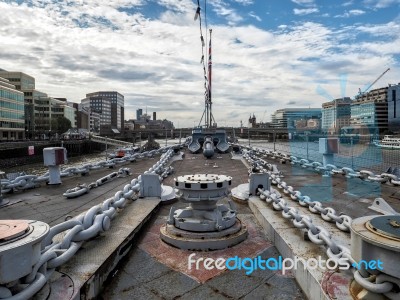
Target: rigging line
(203,60)
(198,15)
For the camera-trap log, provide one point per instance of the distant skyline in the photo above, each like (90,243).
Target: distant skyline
(267,55)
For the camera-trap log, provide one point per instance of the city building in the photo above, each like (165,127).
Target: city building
(110,106)
(335,115)
(12,112)
(146,122)
(88,119)
(102,106)
(369,112)
(26,84)
(46,111)
(286,117)
(22,81)
(393,95)
(310,124)
(139,113)
(39,108)
(252,121)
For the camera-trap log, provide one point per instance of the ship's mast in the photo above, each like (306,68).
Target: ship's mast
(207,113)
(210,118)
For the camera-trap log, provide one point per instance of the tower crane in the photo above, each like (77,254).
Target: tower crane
(380,76)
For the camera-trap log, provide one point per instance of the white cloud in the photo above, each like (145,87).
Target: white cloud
(304,2)
(253,15)
(351,13)
(155,62)
(381,3)
(245,2)
(348,3)
(221,8)
(305,11)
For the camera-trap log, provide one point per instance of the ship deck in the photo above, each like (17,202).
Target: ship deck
(155,270)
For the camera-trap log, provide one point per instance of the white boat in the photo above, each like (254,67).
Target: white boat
(388,142)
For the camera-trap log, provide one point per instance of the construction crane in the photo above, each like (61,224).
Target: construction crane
(380,76)
(262,120)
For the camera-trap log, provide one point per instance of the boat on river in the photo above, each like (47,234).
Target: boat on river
(388,142)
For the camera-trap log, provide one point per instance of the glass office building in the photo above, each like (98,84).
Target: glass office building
(12,112)
(335,115)
(369,112)
(287,117)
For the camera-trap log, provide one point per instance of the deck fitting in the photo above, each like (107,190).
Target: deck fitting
(204,224)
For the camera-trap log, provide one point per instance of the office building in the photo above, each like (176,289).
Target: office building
(46,112)
(369,112)
(393,95)
(139,113)
(12,112)
(110,106)
(285,118)
(26,84)
(335,115)
(20,80)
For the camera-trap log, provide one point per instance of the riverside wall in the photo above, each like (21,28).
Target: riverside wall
(16,154)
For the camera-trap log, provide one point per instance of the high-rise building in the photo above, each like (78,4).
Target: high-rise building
(369,112)
(335,115)
(100,105)
(110,106)
(393,95)
(12,115)
(139,113)
(116,101)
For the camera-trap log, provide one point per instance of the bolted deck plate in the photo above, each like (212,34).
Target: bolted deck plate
(388,226)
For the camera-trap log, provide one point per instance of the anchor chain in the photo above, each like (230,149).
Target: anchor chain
(72,233)
(365,175)
(328,214)
(81,189)
(25,181)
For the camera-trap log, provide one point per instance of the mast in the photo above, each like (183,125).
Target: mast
(207,113)
(209,100)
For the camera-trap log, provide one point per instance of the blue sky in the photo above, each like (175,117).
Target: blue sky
(267,55)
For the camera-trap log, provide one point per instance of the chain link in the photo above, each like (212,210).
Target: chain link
(327,213)
(74,232)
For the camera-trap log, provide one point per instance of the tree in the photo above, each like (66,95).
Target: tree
(60,125)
